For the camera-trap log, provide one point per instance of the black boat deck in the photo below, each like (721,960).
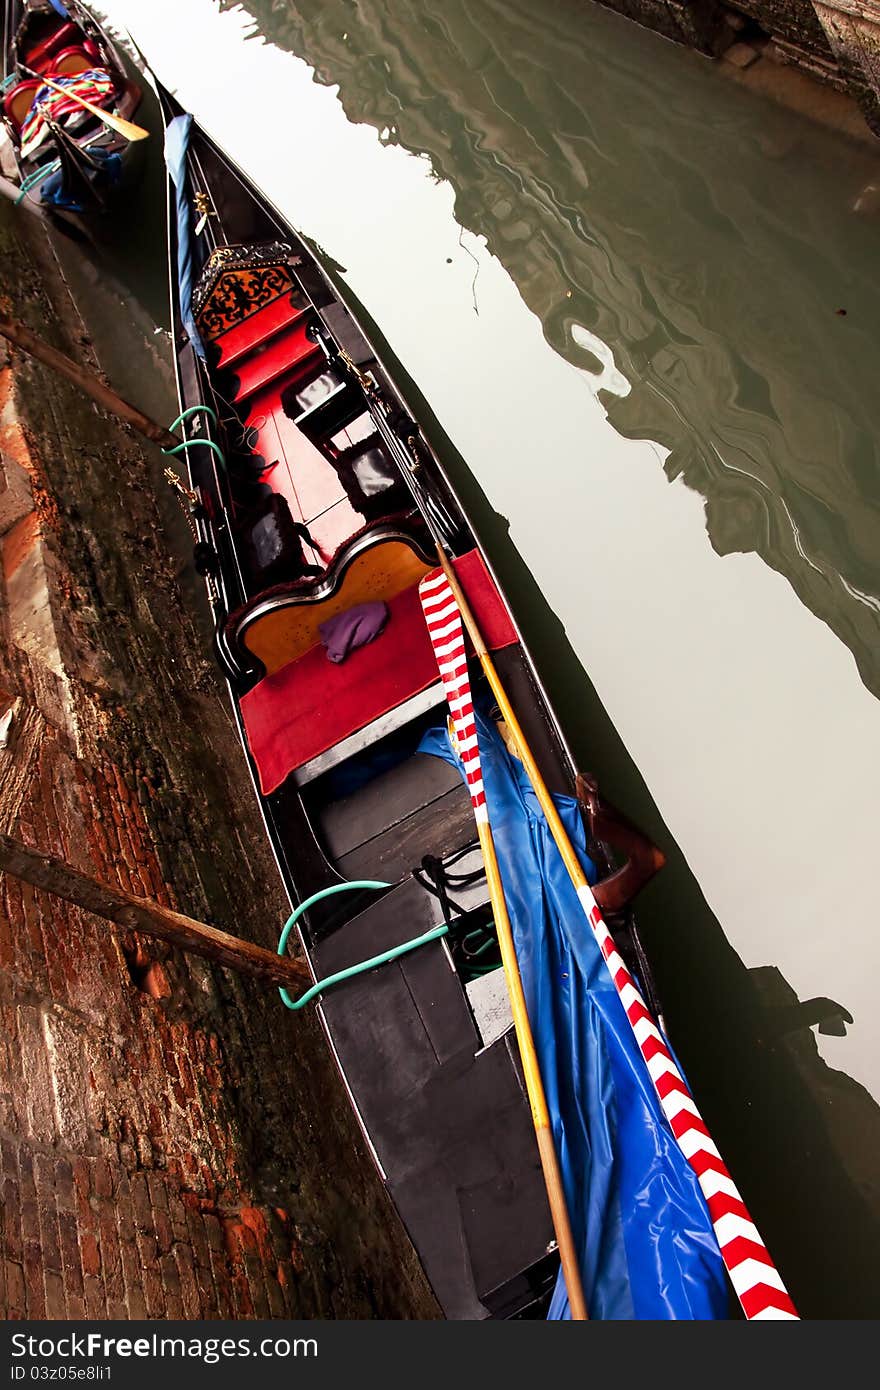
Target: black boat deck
(425,1086)
(385,828)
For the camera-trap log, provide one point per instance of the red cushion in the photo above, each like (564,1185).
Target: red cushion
(60,64)
(488,606)
(256,329)
(29,88)
(63,37)
(280,356)
(311,704)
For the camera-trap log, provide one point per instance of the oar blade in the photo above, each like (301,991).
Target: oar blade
(127,129)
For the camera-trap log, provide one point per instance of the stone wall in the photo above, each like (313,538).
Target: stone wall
(837,42)
(852,28)
(173,1143)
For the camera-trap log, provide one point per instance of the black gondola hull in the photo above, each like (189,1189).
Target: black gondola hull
(433,1076)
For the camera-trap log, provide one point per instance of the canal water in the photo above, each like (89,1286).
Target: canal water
(637,307)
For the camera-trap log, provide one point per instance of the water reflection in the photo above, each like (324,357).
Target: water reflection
(653,218)
(669,238)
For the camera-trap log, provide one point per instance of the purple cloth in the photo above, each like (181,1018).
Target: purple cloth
(355,628)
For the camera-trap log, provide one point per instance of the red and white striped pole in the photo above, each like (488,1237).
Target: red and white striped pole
(753,1274)
(447,637)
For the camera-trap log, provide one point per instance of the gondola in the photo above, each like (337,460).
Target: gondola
(314,496)
(61,157)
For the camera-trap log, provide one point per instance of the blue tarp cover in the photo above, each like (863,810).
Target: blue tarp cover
(176,143)
(54,193)
(646,1242)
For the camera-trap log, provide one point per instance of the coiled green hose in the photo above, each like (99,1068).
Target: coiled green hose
(208,443)
(433,935)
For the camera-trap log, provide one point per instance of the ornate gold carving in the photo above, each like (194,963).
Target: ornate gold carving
(236,281)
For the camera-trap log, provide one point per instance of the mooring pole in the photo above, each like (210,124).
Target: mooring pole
(23,338)
(52,875)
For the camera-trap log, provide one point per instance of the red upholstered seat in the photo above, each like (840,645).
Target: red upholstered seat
(312,704)
(257,329)
(40,56)
(69,62)
(283,354)
(19,100)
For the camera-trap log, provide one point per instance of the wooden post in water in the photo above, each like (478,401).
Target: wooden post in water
(52,875)
(13,192)
(23,338)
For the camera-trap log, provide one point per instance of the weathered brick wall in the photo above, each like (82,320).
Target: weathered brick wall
(791,20)
(852,28)
(173,1143)
(835,41)
(697,25)
(124,1193)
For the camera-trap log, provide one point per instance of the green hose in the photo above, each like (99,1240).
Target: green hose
(35,177)
(208,443)
(433,935)
(193,410)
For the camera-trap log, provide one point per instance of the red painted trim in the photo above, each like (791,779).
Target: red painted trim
(254,332)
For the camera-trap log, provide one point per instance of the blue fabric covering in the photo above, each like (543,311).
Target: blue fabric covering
(54,193)
(646,1242)
(176,143)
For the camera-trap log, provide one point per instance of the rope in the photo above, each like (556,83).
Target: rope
(433,935)
(437,880)
(34,177)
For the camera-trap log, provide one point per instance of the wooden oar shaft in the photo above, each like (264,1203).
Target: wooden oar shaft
(451,659)
(548,806)
(746,1258)
(127,129)
(52,875)
(29,342)
(534,1084)
(13,192)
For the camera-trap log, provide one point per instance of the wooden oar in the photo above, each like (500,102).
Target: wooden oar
(534,1085)
(29,342)
(127,129)
(448,641)
(52,875)
(752,1272)
(12,191)
(548,806)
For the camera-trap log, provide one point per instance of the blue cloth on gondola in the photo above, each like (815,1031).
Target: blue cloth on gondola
(54,191)
(642,1228)
(176,144)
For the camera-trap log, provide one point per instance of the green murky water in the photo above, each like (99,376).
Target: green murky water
(616,281)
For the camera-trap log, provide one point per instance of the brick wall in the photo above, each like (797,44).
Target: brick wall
(794,21)
(124,1194)
(852,28)
(834,41)
(173,1142)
